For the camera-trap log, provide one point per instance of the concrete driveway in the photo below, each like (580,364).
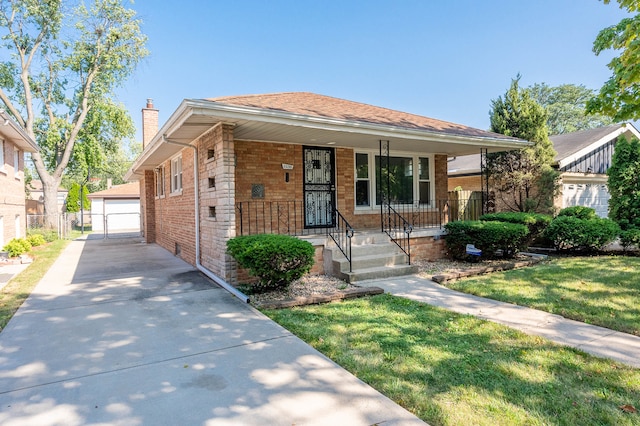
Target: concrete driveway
(123,333)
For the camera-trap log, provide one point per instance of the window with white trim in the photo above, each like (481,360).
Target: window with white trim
(1,155)
(159,181)
(176,174)
(16,163)
(363,187)
(401,181)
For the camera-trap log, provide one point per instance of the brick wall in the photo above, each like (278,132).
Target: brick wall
(217,185)
(428,248)
(173,214)
(12,195)
(468,183)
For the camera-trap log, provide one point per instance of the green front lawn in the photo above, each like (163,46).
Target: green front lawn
(600,290)
(451,369)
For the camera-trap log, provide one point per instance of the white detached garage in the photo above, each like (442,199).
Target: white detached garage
(116,209)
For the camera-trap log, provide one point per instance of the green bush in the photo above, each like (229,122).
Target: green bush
(573,233)
(535,222)
(36,240)
(581,212)
(17,246)
(630,238)
(49,235)
(276,260)
(487,236)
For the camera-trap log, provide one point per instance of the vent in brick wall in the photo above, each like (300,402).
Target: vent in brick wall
(257,190)
(212,182)
(211,154)
(212,212)
(178,250)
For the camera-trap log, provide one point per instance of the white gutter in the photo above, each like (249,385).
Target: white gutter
(222,283)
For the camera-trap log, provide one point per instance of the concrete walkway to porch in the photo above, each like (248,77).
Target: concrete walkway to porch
(595,340)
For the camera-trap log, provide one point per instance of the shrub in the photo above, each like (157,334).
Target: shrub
(571,232)
(17,246)
(487,236)
(276,260)
(581,212)
(49,235)
(630,238)
(535,222)
(36,240)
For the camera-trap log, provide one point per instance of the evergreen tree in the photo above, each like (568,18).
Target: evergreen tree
(73,198)
(624,184)
(524,180)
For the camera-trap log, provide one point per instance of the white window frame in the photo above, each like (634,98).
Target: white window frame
(176,175)
(2,144)
(357,179)
(373,176)
(16,163)
(160,185)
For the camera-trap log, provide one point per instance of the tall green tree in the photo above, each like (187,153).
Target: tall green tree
(65,59)
(566,107)
(524,180)
(73,199)
(619,97)
(624,184)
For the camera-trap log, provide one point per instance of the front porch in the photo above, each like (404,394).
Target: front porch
(383,246)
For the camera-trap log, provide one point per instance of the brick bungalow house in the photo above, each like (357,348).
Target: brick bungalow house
(582,159)
(14,142)
(297,163)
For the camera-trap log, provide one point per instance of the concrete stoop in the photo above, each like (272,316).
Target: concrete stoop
(372,255)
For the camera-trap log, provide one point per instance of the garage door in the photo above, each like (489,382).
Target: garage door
(122,215)
(594,195)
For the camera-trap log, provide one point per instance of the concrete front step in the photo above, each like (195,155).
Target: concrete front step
(369,261)
(379,272)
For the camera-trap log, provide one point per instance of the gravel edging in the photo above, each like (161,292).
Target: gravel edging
(349,293)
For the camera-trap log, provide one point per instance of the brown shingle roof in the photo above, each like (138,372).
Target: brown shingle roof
(127,190)
(311,104)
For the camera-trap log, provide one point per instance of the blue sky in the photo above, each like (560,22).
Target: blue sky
(441,59)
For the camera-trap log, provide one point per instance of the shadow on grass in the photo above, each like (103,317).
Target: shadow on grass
(454,369)
(600,290)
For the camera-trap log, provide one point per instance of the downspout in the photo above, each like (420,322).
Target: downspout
(222,283)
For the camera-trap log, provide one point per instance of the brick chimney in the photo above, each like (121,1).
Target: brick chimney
(149,123)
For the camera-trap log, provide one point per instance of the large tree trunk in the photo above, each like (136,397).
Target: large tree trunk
(50,192)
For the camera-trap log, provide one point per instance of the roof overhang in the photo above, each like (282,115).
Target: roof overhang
(628,130)
(11,131)
(195,117)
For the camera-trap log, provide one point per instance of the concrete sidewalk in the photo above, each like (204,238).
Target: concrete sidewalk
(120,332)
(598,341)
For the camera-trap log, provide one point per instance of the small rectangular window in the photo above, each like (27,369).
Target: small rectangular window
(362,180)
(160,181)
(212,212)
(211,154)
(212,182)
(424,183)
(16,163)
(2,155)
(176,174)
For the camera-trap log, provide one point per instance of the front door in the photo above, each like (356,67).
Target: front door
(319,187)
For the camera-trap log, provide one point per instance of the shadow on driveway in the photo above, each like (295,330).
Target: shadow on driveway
(122,332)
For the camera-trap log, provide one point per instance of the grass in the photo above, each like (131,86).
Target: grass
(451,369)
(18,289)
(600,290)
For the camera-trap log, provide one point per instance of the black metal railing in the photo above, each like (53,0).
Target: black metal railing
(341,234)
(271,217)
(397,228)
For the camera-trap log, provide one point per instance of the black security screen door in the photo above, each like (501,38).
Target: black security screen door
(319,187)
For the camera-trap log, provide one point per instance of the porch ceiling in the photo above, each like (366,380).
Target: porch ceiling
(195,117)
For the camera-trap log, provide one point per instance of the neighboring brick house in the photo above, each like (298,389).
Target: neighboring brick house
(295,163)
(14,142)
(582,159)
